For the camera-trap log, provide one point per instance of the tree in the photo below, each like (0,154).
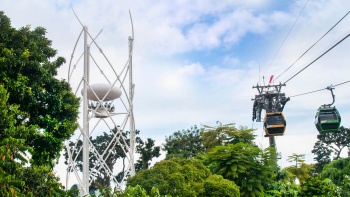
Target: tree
(314,186)
(27,71)
(332,143)
(346,188)
(280,188)
(181,177)
(297,158)
(139,192)
(303,172)
(185,143)
(224,134)
(300,170)
(111,154)
(339,172)
(283,185)
(147,152)
(15,178)
(248,166)
(216,185)
(12,147)
(323,155)
(41,182)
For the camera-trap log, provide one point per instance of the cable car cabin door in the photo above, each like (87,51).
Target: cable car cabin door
(274,124)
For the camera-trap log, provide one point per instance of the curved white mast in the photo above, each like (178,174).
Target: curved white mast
(103,112)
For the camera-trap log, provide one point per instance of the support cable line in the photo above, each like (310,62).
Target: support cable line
(336,44)
(320,89)
(313,45)
(286,37)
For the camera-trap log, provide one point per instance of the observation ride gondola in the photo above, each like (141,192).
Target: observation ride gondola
(274,124)
(327,118)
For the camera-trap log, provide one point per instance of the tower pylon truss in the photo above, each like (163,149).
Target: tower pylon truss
(106,93)
(270,99)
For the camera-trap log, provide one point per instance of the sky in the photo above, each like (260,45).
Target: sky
(195,62)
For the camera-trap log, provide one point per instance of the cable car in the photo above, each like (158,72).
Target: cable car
(274,124)
(327,119)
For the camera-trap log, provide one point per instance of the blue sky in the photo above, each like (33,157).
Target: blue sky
(195,62)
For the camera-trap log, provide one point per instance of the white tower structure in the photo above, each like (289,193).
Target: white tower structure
(106,93)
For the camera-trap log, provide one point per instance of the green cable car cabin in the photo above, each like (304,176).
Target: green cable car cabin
(327,119)
(274,124)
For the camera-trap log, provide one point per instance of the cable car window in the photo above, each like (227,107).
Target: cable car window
(275,119)
(328,116)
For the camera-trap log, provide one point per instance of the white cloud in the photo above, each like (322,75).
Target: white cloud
(180,79)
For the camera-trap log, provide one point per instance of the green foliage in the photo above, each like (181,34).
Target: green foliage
(223,134)
(73,192)
(138,191)
(27,71)
(339,172)
(185,143)
(345,189)
(300,170)
(216,185)
(147,152)
(178,177)
(332,143)
(314,186)
(303,172)
(41,182)
(16,180)
(297,158)
(248,166)
(101,145)
(12,148)
(135,191)
(37,112)
(281,188)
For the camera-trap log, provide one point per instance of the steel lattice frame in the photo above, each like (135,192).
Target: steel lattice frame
(269,99)
(120,121)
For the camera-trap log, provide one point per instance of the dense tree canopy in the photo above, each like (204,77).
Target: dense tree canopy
(185,143)
(12,147)
(191,142)
(330,144)
(216,185)
(299,169)
(337,170)
(223,134)
(314,186)
(15,178)
(27,71)
(248,166)
(183,177)
(37,112)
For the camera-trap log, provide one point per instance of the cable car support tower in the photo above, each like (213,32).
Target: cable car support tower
(270,99)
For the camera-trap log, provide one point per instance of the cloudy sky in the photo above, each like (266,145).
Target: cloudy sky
(195,61)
